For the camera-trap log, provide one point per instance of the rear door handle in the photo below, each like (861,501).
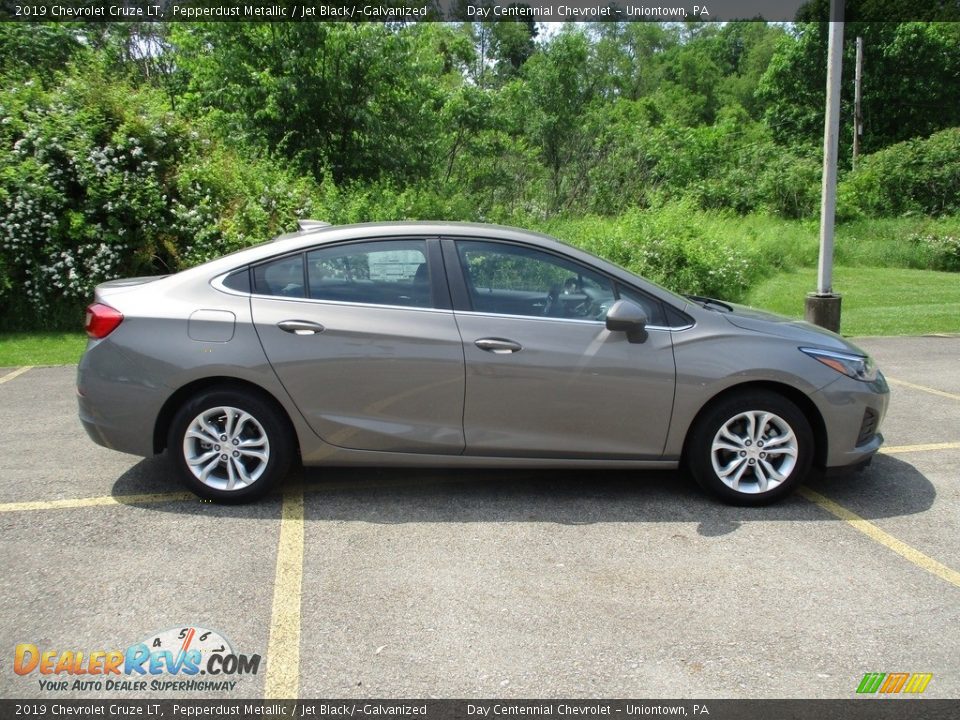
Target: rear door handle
(300,327)
(500,346)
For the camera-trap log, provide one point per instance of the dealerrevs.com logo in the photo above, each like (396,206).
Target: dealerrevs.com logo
(178,660)
(894,683)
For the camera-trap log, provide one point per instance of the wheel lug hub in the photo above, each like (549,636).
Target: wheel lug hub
(743,453)
(236,453)
(223,438)
(752,461)
(236,442)
(217,448)
(224,457)
(748,443)
(763,455)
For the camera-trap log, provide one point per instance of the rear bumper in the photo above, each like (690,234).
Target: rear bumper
(115,410)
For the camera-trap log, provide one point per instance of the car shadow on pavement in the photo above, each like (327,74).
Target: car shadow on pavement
(888,488)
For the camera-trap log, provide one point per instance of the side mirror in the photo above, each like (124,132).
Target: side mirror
(624,316)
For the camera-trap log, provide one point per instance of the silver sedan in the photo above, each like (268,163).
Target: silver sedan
(448,344)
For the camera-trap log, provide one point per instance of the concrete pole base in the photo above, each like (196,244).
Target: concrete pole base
(823,310)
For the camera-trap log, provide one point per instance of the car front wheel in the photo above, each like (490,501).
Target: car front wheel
(751,449)
(229,446)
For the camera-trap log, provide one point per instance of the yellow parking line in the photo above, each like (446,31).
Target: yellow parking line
(923,388)
(897,449)
(283,650)
(887,540)
(96,501)
(146,499)
(16,373)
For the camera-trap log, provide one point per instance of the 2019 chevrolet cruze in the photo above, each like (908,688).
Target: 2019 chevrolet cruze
(462,345)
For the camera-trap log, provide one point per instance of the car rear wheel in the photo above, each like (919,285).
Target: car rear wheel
(751,449)
(229,446)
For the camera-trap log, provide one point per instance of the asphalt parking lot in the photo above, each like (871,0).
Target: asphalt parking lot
(416,584)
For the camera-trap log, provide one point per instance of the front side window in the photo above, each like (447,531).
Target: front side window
(517,280)
(393,272)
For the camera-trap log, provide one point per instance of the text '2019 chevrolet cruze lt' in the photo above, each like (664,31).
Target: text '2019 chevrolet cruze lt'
(448,344)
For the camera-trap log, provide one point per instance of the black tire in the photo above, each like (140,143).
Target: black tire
(759,468)
(236,455)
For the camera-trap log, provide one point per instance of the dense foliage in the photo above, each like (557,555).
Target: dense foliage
(130,148)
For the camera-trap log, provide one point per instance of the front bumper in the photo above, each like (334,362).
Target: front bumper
(852,412)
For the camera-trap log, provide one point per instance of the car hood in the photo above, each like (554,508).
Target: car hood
(804,333)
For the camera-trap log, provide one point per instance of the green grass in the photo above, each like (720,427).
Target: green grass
(888,242)
(41,348)
(876,301)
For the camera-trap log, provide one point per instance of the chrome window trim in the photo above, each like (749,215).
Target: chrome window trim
(475,313)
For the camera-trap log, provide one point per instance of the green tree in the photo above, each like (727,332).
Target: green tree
(344,101)
(554,101)
(626,56)
(37,50)
(911,83)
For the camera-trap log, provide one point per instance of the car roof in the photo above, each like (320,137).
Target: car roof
(333,233)
(315,234)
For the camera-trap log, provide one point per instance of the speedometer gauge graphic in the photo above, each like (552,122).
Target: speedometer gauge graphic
(181,640)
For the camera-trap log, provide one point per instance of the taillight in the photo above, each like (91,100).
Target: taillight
(101,320)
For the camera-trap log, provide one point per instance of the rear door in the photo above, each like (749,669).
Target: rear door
(363,338)
(545,378)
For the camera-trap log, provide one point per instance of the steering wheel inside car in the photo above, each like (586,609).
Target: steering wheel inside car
(573,301)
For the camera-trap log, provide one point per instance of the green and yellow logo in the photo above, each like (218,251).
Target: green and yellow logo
(892,683)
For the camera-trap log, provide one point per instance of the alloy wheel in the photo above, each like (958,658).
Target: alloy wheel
(754,452)
(226,448)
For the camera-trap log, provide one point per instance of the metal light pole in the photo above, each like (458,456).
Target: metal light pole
(823,306)
(857,98)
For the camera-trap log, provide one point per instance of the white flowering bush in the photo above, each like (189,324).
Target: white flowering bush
(940,251)
(84,194)
(99,180)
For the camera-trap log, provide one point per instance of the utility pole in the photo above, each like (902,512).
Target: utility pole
(823,306)
(857,115)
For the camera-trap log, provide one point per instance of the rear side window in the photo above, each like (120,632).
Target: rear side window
(238,280)
(391,272)
(282,277)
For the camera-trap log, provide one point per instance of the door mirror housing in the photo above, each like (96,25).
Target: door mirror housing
(624,316)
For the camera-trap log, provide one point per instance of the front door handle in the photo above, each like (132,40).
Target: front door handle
(300,327)
(499,346)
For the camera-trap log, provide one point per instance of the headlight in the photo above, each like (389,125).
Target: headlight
(855,366)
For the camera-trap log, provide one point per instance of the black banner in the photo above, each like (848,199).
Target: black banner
(548,709)
(469,10)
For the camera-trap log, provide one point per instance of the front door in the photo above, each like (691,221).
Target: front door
(545,378)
